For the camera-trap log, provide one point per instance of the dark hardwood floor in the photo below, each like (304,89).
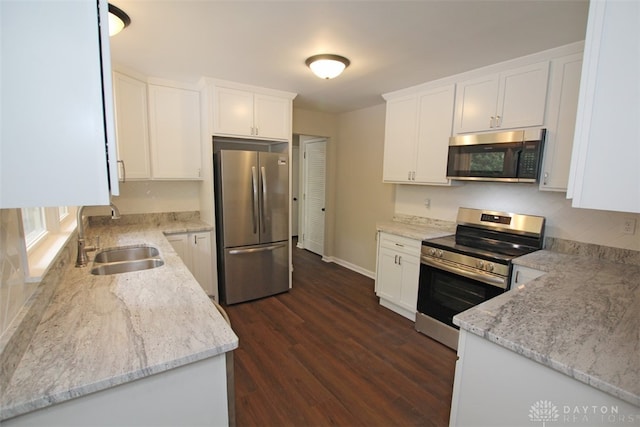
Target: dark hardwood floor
(326,353)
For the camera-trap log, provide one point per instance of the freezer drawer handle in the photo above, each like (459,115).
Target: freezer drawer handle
(260,249)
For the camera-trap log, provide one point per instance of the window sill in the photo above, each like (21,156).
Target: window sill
(41,258)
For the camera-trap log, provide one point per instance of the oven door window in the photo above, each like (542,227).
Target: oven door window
(486,160)
(442,295)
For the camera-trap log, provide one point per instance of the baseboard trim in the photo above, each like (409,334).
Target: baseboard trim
(350,266)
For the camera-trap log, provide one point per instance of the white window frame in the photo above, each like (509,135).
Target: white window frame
(59,224)
(34,237)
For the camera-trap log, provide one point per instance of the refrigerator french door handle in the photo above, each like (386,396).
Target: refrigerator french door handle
(254,202)
(253,250)
(264,199)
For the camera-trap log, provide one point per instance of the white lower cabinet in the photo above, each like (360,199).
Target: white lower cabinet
(195,250)
(193,394)
(522,275)
(397,273)
(494,386)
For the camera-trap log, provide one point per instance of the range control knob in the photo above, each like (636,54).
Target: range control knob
(440,253)
(490,266)
(432,252)
(480,265)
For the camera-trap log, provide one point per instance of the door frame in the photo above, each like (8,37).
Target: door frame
(304,139)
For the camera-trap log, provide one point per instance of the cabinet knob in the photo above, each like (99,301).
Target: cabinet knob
(491,119)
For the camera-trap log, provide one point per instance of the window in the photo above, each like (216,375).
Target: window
(46,231)
(34,224)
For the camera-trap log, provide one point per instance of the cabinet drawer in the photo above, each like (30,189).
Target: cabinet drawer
(400,243)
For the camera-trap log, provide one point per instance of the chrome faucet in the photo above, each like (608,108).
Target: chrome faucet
(83,259)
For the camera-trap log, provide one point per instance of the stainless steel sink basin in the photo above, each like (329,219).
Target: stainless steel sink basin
(125,259)
(126,253)
(126,266)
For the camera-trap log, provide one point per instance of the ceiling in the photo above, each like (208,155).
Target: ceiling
(391,44)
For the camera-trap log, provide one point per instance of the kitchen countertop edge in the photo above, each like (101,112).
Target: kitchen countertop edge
(18,402)
(489,320)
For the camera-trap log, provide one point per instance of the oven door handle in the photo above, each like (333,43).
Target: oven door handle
(496,281)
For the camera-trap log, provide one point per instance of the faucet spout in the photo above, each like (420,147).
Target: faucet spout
(82,259)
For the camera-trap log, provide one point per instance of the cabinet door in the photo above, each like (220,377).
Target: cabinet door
(410,278)
(476,104)
(180,243)
(233,112)
(435,120)
(389,275)
(522,275)
(272,117)
(400,140)
(174,117)
(53,139)
(202,261)
(132,127)
(561,121)
(604,164)
(522,96)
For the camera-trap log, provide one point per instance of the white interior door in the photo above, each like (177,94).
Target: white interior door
(314,192)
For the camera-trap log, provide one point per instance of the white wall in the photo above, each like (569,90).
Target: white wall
(314,123)
(361,197)
(563,221)
(158,196)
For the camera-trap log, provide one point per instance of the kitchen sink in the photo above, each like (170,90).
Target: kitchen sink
(126,253)
(126,259)
(126,266)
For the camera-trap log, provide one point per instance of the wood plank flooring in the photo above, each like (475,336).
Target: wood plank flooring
(327,354)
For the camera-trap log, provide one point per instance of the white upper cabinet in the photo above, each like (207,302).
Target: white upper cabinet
(560,122)
(510,99)
(400,139)
(417,131)
(248,113)
(56,124)
(605,171)
(174,130)
(132,127)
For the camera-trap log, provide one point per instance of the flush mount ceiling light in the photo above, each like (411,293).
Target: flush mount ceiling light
(327,66)
(118,20)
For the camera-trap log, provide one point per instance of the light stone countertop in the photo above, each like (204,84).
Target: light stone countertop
(412,231)
(582,319)
(101,331)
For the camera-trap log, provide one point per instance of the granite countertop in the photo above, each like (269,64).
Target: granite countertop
(413,230)
(101,331)
(581,318)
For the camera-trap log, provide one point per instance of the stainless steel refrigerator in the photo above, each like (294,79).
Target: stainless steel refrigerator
(252,224)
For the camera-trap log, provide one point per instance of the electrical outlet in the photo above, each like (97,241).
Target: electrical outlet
(629,226)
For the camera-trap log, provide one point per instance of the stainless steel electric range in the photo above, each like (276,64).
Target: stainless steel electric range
(463,270)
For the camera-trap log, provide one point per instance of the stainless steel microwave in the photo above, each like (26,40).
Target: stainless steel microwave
(513,156)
